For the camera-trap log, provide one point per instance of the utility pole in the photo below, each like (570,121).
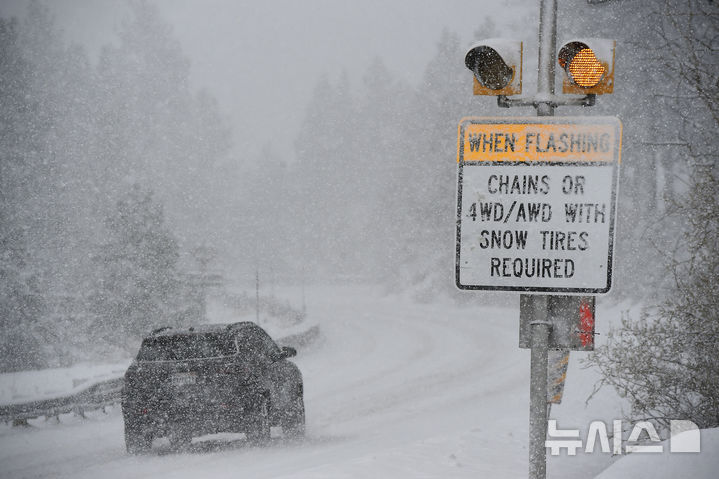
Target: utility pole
(257,294)
(304,302)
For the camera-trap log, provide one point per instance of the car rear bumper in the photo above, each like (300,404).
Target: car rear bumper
(195,418)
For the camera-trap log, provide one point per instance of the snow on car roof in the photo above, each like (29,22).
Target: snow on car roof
(202,328)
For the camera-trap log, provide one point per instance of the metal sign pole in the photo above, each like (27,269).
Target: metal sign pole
(538,387)
(538,413)
(547,47)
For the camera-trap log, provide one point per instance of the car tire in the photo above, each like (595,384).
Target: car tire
(180,439)
(293,426)
(260,431)
(137,442)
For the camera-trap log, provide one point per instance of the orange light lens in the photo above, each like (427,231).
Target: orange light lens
(585,69)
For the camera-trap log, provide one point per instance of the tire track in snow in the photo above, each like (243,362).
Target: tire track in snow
(438,361)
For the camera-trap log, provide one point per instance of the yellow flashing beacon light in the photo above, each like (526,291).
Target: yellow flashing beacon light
(588,66)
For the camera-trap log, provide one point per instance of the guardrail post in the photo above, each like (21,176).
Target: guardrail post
(20,423)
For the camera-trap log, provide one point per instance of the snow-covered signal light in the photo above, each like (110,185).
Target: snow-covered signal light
(497,66)
(584,68)
(588,66)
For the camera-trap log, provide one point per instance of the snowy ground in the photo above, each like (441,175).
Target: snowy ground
(393,389)
(670,466)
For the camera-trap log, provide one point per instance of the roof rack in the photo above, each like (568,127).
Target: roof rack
(159,330)
(238,325)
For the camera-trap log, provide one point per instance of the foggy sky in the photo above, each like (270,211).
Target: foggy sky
(262,59)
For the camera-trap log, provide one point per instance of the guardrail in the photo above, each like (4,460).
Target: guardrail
(95,397)
(105,393)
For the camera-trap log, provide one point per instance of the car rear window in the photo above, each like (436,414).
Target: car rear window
(191,346)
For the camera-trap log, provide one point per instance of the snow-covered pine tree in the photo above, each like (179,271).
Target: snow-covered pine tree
(140,286)
(21,304)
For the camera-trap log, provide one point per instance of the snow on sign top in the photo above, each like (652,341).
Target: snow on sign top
(536,203)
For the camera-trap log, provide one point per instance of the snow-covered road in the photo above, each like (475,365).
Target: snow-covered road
(393,389)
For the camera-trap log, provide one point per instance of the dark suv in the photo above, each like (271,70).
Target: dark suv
(210,379)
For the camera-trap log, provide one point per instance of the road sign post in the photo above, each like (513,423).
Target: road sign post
(540,335)
(536,207)
(536,199)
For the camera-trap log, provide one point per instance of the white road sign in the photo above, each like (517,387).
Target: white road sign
(536,203)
